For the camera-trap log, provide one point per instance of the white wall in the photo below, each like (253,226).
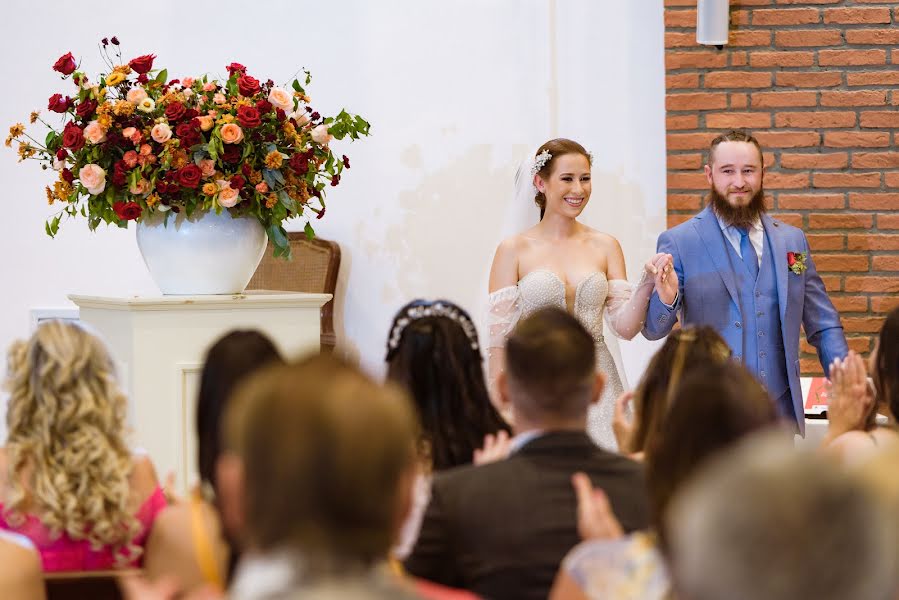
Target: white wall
(456,91)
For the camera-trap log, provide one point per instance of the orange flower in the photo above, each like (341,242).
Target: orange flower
(50,197)
(271,200)
(33,117)
(273,160)
(210,189)
(152,200)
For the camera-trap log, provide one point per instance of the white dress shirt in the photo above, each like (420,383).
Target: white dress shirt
(756,237)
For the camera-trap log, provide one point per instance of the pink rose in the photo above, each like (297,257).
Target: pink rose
(94,133)
(206,122)
(207,167)
(187,82)
(93,178)
(141,187)
(281,98)
(228,196)
(231,133)
(130,159)
(208,87)
(262,187)
(132,133)
(219,98)
(161,133)
(300,117)
(321,136)
(136,95)
(146,149)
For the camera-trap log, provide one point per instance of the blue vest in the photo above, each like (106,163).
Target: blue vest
(763,349)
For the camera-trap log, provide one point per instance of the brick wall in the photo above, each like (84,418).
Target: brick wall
(817,81)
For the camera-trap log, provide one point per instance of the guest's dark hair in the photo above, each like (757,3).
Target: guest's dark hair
(714,406)
(684,349)
(886,366)
(231,358)
(551,364)
(433,351)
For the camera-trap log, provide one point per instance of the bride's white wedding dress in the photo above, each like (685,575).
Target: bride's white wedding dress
(623,304)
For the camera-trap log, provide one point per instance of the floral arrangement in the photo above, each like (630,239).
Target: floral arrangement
(134,143)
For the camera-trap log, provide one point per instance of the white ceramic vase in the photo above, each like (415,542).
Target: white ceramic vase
(207,253)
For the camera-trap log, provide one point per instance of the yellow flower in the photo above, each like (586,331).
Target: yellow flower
(179,159)
(105,108)
(115,78)
(244,102)
(25,151)
(62,189)
(49,195)
(273,159)
(123,108)
(226,119)
(123,69)
(16,130)
(152,200)
(289,129)
(255,177)
(210,189)
(33,117)
(104,121)
(271,200)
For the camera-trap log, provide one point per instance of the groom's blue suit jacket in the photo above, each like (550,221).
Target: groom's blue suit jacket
(759,319)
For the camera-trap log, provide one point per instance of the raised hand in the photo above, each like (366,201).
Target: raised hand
(496,447)
(595,519)
(666,283)
(850,400)
(622,423)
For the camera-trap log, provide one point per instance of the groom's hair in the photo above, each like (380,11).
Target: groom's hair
(736,135)
(551,365)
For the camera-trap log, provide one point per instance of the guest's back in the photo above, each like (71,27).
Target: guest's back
(20,568)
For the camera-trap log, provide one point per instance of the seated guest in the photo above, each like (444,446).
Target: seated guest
(316,474)
(71,484)
(769,523)
(188,542)
(20,568)
(853,434)
(713,408)
(683,349)
(433,352)
(501,529)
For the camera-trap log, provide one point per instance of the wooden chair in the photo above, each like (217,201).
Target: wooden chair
(313,269)
(78,585)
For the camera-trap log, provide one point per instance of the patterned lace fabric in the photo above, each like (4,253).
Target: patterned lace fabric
(593,294)
(630,567)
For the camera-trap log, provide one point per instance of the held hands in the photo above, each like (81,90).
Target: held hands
(851,398)
(595,519)
(661,266)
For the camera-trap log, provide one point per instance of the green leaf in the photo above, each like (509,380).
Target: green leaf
(297,87)
(162,76)
(310,233)
(288,202)
(278,238)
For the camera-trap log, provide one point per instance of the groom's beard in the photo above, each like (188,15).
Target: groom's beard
(738,216)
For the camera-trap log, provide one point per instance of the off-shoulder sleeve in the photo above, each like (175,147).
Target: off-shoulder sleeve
(626,305)
(504,310)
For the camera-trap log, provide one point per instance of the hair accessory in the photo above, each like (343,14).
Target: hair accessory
(540,160)
(438,308)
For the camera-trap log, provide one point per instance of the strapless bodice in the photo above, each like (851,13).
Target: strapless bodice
(543,287)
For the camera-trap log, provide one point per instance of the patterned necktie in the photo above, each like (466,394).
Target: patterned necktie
(747,251)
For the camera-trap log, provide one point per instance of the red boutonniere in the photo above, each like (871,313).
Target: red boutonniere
(796,262)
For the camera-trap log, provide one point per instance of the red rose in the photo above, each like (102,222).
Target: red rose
(142,64)
(791,258)
(299,163)
(189,176)
(237,182)
(346,161)
(86,108)
(127,211)
(174,111)
(142,78)
(247,85)
(236,68)
(280,114)
(65,64)
(248,117)
(67,176)
(263,106)
(191,113)
(59,104)
(61,154)
(73,137)
(246,169)
(232,153)
(188,133)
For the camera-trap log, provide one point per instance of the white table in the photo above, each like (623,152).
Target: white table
(159,343)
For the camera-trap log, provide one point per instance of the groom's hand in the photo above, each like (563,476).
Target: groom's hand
(666,283)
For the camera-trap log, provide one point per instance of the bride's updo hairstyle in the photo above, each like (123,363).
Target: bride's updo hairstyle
(556,148)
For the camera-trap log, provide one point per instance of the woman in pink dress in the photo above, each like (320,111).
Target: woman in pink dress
(71,484)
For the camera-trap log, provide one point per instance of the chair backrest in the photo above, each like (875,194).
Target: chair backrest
(78,585)
(313,269)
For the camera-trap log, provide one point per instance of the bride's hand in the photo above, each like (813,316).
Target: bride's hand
(666,284)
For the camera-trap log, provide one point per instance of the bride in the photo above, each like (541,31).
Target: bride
(564,263)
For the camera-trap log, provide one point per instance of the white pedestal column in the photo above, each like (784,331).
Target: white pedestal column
(159,344)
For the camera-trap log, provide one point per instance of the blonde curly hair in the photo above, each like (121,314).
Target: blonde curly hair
(68,461)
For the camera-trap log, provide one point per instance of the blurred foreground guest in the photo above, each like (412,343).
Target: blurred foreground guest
(714,407)
(71,484)
(768,523)
(20,568)
(188,542)
(501,529)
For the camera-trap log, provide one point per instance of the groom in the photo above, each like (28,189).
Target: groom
(750,277)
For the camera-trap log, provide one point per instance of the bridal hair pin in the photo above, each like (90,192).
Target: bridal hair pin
(421,309)
(540,160)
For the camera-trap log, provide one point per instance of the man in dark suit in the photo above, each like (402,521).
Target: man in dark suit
(501,529)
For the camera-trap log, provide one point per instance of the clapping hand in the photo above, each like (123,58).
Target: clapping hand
(496,447)
(622,423)
(850,400)
(595,519)
(661,266)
